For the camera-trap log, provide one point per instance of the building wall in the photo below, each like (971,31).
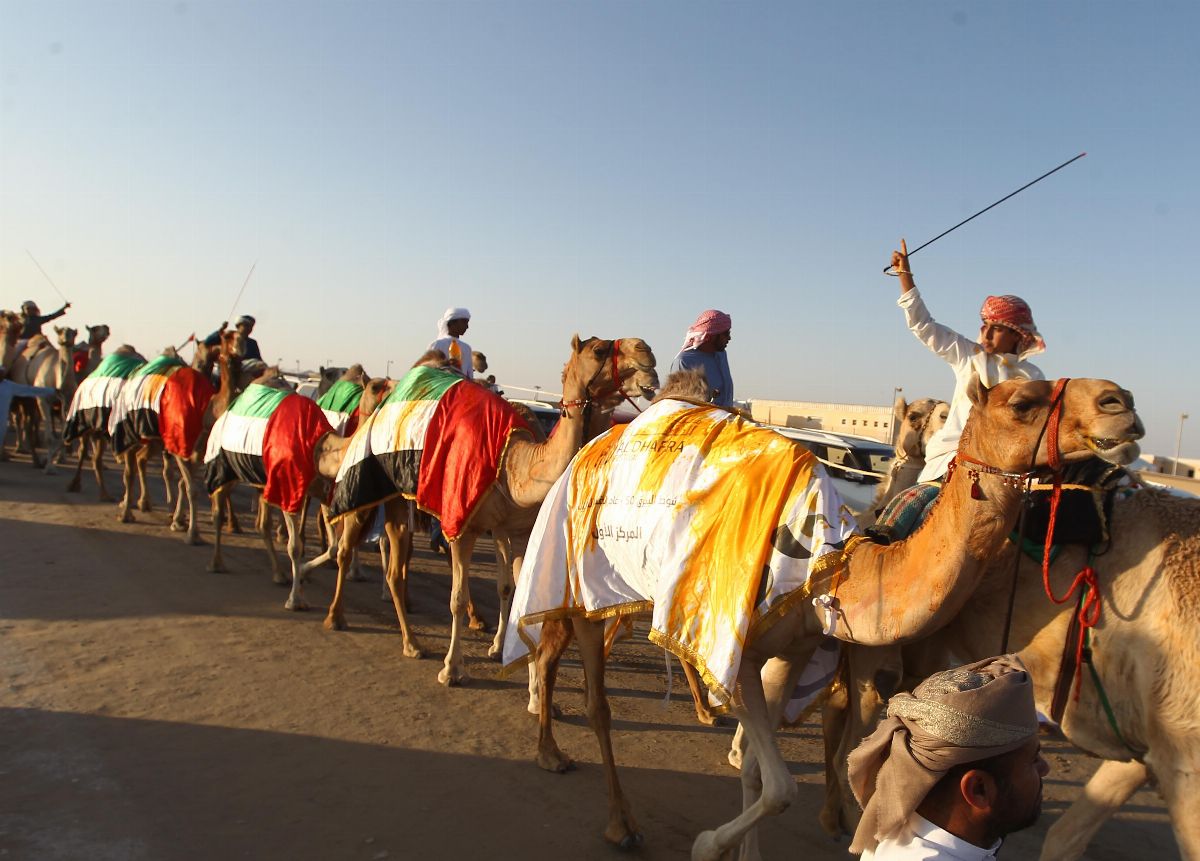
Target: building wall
(1185,467)
(857,419)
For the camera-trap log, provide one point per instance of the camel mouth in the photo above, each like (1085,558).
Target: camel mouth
(647,392)
(1120,451)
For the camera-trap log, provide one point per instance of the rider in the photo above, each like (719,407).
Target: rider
(32,318)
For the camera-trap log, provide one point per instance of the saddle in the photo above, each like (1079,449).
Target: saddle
(1083,509)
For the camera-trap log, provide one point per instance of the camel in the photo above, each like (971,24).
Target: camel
(40,364)
(1144,650)
(915,424)
(91,407)
(97,335)
(209,409)
(596,370)
(326,456)
(873,595)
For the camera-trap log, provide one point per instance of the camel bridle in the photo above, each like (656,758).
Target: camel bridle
(588,401)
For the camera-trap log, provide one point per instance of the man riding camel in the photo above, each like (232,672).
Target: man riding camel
(32,319)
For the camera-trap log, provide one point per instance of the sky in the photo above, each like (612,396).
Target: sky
(613,169)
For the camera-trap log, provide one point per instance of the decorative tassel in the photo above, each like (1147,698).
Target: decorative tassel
(976,490)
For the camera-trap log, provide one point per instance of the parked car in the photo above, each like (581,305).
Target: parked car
(547,414)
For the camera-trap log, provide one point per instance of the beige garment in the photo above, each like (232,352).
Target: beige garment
(955,717)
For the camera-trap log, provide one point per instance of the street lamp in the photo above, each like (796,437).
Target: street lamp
(537,393)
(1178,442)
(388,371)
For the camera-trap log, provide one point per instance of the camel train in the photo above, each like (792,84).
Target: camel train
(901,611)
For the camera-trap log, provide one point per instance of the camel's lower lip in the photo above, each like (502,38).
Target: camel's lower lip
(647,392)
(1122,450)
(1099,444)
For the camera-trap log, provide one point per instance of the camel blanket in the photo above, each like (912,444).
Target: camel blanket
(436,439)
(165,400)
(715,525)
(340,405)
(267,438)
(93,402)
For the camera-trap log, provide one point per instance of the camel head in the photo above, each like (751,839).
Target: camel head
(271,376)
(355,374)
(66,336)
(129,350)
(10,326)
(374,393)
(916,423)
(1009,424)
(97,335)
(608,369)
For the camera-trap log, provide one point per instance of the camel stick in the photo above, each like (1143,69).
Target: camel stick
(887,270)
(229,316)
(47,277)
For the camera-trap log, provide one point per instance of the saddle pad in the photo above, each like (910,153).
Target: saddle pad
(714,524)
(93,402)
(437,439)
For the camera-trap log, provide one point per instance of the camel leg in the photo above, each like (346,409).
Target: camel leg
(142,457)
(217,565)
(1179,779)
(1109,788)
(46,407)
(128,466)
(331,547)
(263,524)
(454,672)
(699,696)
(395,523)
(352,528)
(99,444)
(835,717)
(621,830)
(510,554)
(556,636)
(765,777)
(172,496)
(76,482)
(189,482)
(295,548)
(231,516)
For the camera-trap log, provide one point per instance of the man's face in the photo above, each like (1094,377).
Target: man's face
(722,340)
(245,328)
(1020,804)
(998,339)
(457,327)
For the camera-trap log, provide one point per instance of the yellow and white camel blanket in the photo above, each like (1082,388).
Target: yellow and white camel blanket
(714,524)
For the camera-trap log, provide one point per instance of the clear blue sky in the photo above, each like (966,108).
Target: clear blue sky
(613,169)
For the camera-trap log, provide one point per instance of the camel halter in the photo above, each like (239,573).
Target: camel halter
(586,402)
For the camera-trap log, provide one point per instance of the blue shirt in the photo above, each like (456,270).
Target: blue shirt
(716,372)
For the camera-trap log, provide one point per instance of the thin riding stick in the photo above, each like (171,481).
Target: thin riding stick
(229,316)
(887,269)
(47,277)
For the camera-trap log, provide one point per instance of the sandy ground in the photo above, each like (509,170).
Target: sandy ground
(151,710)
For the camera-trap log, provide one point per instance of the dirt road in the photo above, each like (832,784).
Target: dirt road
(150,710)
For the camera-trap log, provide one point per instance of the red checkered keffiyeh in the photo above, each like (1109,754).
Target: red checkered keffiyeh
(711,322)
(1013,312)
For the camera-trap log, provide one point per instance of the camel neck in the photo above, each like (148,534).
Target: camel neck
(913,587)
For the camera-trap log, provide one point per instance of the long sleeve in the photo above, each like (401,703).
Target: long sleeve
(941,340)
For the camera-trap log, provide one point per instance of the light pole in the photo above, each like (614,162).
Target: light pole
(1179,442)
(537,393)
(892,436)
(388,371)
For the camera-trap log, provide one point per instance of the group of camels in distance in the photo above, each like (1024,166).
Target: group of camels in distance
(935,599)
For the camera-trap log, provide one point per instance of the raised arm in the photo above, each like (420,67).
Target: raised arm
(941,340)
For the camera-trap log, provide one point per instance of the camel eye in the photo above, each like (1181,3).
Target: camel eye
(1022,407)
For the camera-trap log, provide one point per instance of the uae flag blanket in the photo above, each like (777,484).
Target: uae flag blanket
(437,439)
(267,438)
(93,403)
(713,525)
(340,404)
(162,399)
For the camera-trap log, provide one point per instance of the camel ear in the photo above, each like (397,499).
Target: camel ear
(576,344)
(977,391)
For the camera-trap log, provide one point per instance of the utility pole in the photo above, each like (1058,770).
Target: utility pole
(1178,443)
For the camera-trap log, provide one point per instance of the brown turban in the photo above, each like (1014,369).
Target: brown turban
(952,718)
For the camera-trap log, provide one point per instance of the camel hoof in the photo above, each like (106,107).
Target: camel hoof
(295,606)
(411,651)
(452,680)
(557,763)
(496,652)
(631,841)
(73,487)
(280,579)
(104,497)
(735,758)
(144,505)
(235,529)
(709,719)
(126,517)
(477,625)
(194,541)
(217,568)
(358,577)
(334,624)
(535,709)
(176,527)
